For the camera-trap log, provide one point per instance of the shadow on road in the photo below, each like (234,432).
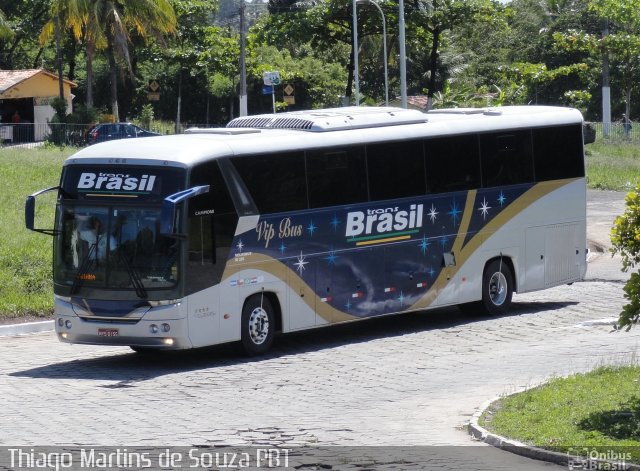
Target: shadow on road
(128,368)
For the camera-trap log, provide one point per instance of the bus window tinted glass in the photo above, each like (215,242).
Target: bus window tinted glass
(506,158)
(276,181)
(396,170)
(212,223)
(336,177)
(453,163)
(558,152)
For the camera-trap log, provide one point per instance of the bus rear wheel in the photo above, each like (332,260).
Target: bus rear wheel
(258,325)
(497,288)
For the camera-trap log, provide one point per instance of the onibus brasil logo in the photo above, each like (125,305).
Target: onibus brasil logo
(376,226)
(115,181)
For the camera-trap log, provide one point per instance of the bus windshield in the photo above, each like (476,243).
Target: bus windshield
(109,247)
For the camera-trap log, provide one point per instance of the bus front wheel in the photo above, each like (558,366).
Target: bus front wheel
(497,288)
(258,325)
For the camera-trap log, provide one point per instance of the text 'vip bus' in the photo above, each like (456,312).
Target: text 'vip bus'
(284,222)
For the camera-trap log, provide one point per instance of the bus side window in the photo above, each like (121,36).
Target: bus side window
(506,158)
(336,177)
(276,181)
(558,152)
(396,170)
(453,163)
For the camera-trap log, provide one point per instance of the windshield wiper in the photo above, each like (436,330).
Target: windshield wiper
(136,281)
(84,269)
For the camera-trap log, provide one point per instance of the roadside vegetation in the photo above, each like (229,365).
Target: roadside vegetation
(25,257)
(597,411)
(613,165)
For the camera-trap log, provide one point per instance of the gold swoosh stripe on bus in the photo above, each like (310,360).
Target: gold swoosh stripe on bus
(464,253)
(330,314)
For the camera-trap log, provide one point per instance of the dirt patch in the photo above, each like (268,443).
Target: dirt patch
(23,319)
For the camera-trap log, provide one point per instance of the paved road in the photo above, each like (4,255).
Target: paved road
(401,381)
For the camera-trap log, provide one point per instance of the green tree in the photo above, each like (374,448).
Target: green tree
(438,17)
(5,27)
(622,44)
(324,29)
(625,238)
(108,25)
(20,48)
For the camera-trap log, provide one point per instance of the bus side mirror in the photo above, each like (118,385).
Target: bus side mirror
(30,212)
(170,205)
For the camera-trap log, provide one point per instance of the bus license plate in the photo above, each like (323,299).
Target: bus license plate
(108,332)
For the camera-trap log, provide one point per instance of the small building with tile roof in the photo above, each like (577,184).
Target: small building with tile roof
(25,103)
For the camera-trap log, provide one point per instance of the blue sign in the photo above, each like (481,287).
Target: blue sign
(267,89)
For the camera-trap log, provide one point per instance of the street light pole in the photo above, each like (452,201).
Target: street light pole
(384,46)
(403,56)
(243,67)
(356,78)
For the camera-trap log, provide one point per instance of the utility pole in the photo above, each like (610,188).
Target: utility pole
(356,72)
(403,56)
(59,58)
(606,88)
(243,67)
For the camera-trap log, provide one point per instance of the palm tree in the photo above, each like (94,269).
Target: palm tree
(107,25)
(5,27)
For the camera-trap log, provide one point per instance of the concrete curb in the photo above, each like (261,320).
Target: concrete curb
(513,446)
(12,330)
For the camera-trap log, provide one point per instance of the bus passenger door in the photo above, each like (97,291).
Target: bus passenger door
(201,278)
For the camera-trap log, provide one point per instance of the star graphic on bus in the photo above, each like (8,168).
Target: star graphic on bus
(300,264)
(424,245)
(282,248)
(239,245)
(335,222)
(484,208)
(431,272)
(443,241)
(432,214)
(455,212)
(401,298)
(331,258)
(348,305)
(501,199)
(311,228)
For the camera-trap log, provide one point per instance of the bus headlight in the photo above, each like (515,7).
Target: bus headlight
(67,324)
(166,327)
(60,321)
(153,329)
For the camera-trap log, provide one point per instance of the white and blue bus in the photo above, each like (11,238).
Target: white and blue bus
(284,222)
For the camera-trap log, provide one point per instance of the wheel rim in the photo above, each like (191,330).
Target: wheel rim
(258,326)
(498,288)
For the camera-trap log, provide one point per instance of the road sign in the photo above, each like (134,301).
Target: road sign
(267,89)
(289,97)
(271,78)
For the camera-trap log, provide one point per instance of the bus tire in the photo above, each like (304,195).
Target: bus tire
(497,288)
(258,325)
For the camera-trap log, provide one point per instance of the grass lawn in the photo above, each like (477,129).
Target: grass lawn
(599,410)
(613,166)
(25,256)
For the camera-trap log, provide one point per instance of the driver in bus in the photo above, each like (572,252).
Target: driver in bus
(93,234)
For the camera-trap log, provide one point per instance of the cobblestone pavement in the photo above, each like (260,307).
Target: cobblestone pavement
(406,380)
